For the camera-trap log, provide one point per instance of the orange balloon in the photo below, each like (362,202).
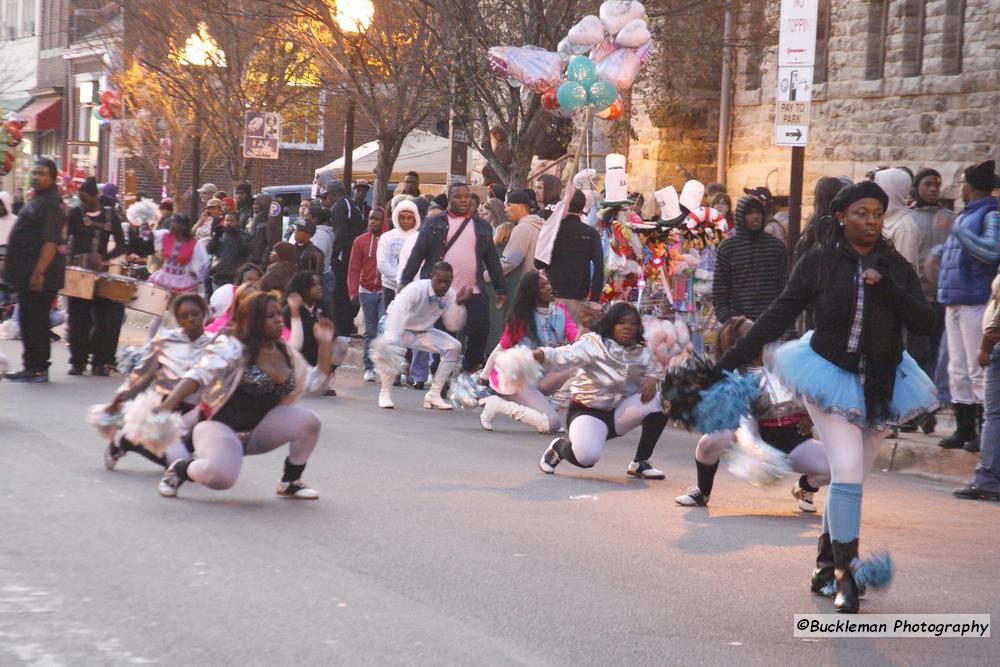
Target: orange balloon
(614,111)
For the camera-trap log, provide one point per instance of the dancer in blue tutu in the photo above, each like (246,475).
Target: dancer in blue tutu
(851,371)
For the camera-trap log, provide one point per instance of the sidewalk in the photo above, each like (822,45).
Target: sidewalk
(919,454)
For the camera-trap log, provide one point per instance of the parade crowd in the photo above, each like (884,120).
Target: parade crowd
(884,311)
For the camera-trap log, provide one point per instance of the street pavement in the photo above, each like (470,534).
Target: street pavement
(436,543)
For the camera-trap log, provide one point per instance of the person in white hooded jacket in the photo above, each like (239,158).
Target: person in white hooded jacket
(405,226)
(899,226)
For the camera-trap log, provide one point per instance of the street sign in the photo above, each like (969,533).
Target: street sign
(795,84)
(261,135)
(797,33)
(791,123)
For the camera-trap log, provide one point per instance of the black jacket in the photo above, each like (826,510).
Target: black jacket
(41,220)
(231,247)
(750,271)
(265,231)
(575,251)
(824,278)
(90,235)
(348,224)
(136,243)
(428,250)
(310,258)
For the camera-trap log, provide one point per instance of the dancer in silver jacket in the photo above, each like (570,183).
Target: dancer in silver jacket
(162,363)
(615,389)
(249,381)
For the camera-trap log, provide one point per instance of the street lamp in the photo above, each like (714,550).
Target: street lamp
(200,50)
(353,17)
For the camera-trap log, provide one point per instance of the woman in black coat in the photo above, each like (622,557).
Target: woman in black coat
(851,371)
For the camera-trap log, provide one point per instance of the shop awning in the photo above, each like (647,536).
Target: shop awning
(41,115)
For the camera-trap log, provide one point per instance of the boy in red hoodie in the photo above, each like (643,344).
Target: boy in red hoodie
(364,283)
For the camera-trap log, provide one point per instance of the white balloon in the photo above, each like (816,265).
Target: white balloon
(616,13)
(568,48)
(633,34)
(588,32)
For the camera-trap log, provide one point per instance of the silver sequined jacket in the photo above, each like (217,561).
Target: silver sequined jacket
(220,369)
(607,373)
(162,363)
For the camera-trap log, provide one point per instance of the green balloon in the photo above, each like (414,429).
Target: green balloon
(581,69)
(601,94)
(571,95)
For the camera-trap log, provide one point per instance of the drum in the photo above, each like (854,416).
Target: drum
(79,283)
(116,288)
(150,299)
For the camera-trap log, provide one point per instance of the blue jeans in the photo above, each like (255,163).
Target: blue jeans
(420,366)
(372,310)
(987,476)
(327,283)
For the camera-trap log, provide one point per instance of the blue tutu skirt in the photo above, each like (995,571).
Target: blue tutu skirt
(812,378)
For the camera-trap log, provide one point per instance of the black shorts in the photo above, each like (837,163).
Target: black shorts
(606,416)
(785,438)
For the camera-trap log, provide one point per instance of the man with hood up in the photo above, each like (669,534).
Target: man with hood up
(899,225)
(751,266)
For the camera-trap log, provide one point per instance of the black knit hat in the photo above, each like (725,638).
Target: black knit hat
(89,186)
(982,176)
(520,197)
(856,192)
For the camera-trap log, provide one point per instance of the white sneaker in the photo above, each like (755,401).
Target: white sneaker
(643,470)
(433,401)
(385,399)
(804,497)
(296,490)
(170,481)
(369,376)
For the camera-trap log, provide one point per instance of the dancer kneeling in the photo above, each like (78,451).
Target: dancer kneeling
(410,323)
(614,390)
(534,321)
(250,380)
(162,365)
(783,424)
(851,370)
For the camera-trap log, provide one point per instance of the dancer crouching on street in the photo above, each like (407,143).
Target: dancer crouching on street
(165,361)
(783,424)
(250,379)
(410,323)
(615,389)
(534,321)
(850,371)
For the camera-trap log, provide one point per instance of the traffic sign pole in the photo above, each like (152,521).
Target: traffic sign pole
(795,197)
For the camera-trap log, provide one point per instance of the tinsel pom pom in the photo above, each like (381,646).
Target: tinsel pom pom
(876,571)
(154,431)
(128,357)
(687,375)
(725,402)
(389,359)
(465,392)
(105,423)
(753,460)
(517,370)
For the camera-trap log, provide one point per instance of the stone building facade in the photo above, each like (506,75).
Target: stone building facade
(912,83)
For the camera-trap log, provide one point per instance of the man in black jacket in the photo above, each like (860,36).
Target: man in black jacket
(307,255)
(347,226)
(244,203)
(576,269)
(36,268)
(94,324)
(465,241)
(263,236)
(231,247)
(751,267)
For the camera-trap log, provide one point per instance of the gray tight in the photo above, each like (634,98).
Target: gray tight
(218,451)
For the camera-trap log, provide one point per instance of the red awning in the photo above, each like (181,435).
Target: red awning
(41,115)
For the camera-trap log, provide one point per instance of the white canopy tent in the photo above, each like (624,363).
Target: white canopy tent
(427,154)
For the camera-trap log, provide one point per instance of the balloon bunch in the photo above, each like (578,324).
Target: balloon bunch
(10,138)
(619,44)
(666,340)
(111,105)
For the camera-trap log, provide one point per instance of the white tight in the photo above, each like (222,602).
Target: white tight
(850,449)
(537,400)
(587,434)
(808,457)
(219,454)
(434,341)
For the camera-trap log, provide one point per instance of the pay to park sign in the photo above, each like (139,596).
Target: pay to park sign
(261,135)
(796,58)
